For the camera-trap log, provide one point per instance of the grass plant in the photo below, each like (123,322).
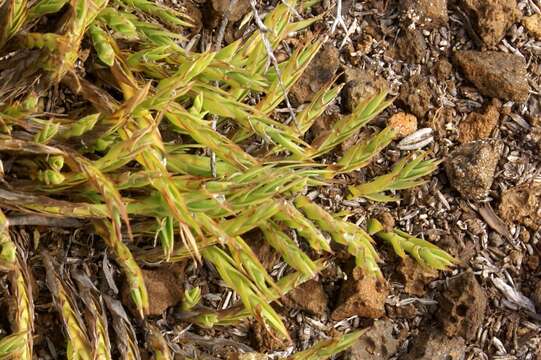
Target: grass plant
(109,164)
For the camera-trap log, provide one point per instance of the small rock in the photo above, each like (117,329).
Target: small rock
(386,219)
(217,10)
(361,85)
(495,74)
(362,46)
(412,46)
(362,295)
(462,306)
(443,69)
(492,18)
(470,168)
(378,343)
(415,276)
(533,24)
(318,74)
(478,126)
(309,296)
(522,204)
(404,124)
(432,344)
(164,287)
(417,95)
(427,14)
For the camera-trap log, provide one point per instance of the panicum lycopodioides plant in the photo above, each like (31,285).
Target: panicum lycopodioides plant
(136,162)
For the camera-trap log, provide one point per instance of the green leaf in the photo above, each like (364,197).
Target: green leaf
(101,44)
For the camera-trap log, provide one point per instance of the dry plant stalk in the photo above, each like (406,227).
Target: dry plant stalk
(78,341)
(19,343)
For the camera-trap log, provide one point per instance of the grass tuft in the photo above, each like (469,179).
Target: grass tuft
(138,158)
